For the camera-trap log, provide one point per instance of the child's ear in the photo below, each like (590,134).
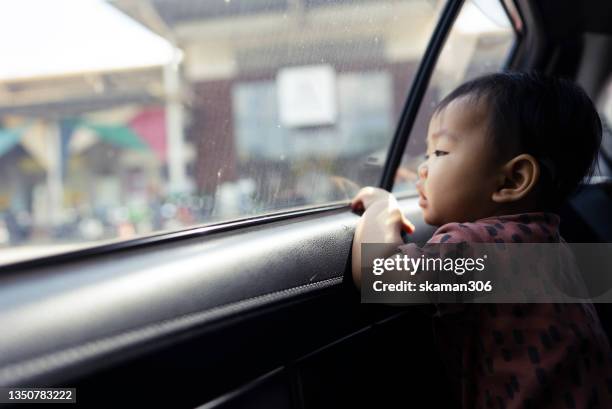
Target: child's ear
(517,178)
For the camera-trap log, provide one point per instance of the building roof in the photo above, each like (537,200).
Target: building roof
(175,12)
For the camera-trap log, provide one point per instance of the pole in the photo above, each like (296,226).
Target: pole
(174,125)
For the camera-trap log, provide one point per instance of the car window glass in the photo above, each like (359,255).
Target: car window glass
(123,118)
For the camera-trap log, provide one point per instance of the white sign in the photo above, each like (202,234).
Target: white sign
(307,96)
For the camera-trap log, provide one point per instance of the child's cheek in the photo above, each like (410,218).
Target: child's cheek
(441,183)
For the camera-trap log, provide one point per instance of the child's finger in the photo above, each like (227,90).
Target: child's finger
(361,203)
(407,225)
(357,206)
(358,202)
(365,197)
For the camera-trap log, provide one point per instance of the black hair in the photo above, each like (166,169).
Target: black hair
(550,118)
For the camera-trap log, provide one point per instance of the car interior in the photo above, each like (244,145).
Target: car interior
(261,312)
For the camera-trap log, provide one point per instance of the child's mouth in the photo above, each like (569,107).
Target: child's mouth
(422,198)
(422,202)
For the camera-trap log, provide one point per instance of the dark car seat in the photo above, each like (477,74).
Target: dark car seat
(587,218)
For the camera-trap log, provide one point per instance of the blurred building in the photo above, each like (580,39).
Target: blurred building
(82,118)
(234,52)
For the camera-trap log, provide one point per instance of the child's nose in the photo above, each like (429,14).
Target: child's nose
(422,170)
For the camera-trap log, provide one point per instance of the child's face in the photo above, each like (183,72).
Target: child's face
(458,179)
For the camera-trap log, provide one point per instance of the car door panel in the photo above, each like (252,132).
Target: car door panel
(279,290)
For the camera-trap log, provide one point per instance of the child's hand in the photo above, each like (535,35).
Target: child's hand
(382,222)
(368,196)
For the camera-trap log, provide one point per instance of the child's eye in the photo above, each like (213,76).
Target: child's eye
(437,152)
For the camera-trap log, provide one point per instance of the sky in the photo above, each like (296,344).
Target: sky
(45,38)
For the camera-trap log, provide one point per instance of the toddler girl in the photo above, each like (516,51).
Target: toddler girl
(503,153)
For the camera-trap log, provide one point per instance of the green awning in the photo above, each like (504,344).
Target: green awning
(8,139)
(117,135)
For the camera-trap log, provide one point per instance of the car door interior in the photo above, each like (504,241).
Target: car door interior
(228,319)
(257,313)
